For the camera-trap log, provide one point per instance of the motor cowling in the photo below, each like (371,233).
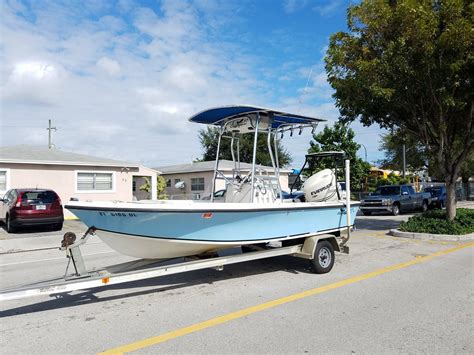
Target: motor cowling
(321,187)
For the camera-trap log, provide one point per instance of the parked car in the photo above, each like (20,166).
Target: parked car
(31,207)
(295,195)
(395,199)
(438,196)
(218,196)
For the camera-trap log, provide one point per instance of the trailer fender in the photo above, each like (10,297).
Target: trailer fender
(309,246)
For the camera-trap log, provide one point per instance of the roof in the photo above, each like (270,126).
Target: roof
(224,165)
(220,115)
(27,154)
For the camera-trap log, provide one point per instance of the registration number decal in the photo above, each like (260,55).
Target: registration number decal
(118,214)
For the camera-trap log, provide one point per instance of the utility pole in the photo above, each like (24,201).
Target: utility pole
(365,149)
(50,145)
(404,160)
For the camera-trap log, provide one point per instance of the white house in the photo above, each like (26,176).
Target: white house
(197,177)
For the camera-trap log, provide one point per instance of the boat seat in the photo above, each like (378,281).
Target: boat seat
(263,193)
(238,194)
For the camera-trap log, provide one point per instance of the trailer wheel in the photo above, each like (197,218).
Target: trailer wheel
(323,257)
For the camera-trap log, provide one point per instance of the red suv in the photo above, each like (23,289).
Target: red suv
(31,207)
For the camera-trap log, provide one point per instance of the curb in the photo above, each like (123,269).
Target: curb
(428,236)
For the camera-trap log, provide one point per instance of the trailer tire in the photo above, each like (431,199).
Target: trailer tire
(323,257)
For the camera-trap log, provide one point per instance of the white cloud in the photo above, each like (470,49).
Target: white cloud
(38,83)
(116,89)
(329,8)
(291,6)
(110,66)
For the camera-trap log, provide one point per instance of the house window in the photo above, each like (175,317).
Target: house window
(3,180)
(89,181)
(168,183)
(197,184)
(176,181)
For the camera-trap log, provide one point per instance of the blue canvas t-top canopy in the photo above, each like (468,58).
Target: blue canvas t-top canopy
(220,116)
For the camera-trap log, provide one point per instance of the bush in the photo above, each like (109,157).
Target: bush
(435,222)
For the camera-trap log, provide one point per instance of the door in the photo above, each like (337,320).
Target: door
(406,202)
(416,198)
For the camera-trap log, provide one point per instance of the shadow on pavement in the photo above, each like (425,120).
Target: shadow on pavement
(166,283)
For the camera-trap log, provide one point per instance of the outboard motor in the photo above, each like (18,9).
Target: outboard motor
(321,187)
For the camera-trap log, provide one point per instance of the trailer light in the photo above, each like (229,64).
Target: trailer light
(207,215)
(105,280)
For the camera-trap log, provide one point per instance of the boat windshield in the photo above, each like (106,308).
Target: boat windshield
(387,190)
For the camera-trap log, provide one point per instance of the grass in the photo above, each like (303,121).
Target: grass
(435,222)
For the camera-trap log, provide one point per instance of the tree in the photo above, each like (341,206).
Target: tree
(160,187)
(209,137)
(340,138)
(415,153)
(409,64)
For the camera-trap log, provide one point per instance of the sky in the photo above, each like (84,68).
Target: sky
(119,79)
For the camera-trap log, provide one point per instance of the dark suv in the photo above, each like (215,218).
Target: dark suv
(31,207)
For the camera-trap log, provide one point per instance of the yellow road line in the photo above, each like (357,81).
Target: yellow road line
(261,307)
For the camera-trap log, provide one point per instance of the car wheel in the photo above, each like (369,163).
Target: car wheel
(323,257)
(395,209)
(8,223)
(424,206)
(441,204)
(366,213)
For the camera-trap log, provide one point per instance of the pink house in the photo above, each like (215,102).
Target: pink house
(73,175)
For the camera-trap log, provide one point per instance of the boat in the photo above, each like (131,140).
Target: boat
(253,212)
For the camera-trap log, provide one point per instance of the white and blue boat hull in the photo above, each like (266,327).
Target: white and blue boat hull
(171,229)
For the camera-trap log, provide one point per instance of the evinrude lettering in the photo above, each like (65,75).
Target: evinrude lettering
(313,193)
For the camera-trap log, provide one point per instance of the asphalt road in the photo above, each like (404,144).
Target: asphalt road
(387,295)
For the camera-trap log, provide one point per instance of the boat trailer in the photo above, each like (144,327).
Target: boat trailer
(142,269)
